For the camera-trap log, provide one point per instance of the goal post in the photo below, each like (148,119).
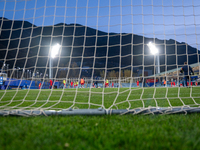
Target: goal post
(96,57)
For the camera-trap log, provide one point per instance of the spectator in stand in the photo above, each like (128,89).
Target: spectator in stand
(187,70)
(82,82)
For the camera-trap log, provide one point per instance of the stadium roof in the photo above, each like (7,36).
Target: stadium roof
(177,69)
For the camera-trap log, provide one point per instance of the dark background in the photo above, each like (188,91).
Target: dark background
(25,45)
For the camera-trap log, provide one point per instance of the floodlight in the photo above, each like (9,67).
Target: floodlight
(153,48)
(55,50)
(154,51)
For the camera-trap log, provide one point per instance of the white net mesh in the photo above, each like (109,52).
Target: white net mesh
(129,54)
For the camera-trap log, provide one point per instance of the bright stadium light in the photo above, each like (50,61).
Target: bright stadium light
(155,51)
(54,52)
(152,48)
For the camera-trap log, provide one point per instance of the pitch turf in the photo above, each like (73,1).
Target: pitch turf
(101,132)
(175,131)
(111,98)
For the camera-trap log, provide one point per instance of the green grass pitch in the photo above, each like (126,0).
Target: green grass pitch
(177,131)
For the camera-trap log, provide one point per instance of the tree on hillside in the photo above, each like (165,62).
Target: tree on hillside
(112,74)
(127,73)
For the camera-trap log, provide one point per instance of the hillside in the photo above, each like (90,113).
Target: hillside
(26,41)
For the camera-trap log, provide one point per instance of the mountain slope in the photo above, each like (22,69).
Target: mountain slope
(26,42)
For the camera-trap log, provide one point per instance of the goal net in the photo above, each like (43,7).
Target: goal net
(99,57)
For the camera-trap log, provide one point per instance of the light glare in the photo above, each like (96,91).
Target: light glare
(55,50)
(153,48)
